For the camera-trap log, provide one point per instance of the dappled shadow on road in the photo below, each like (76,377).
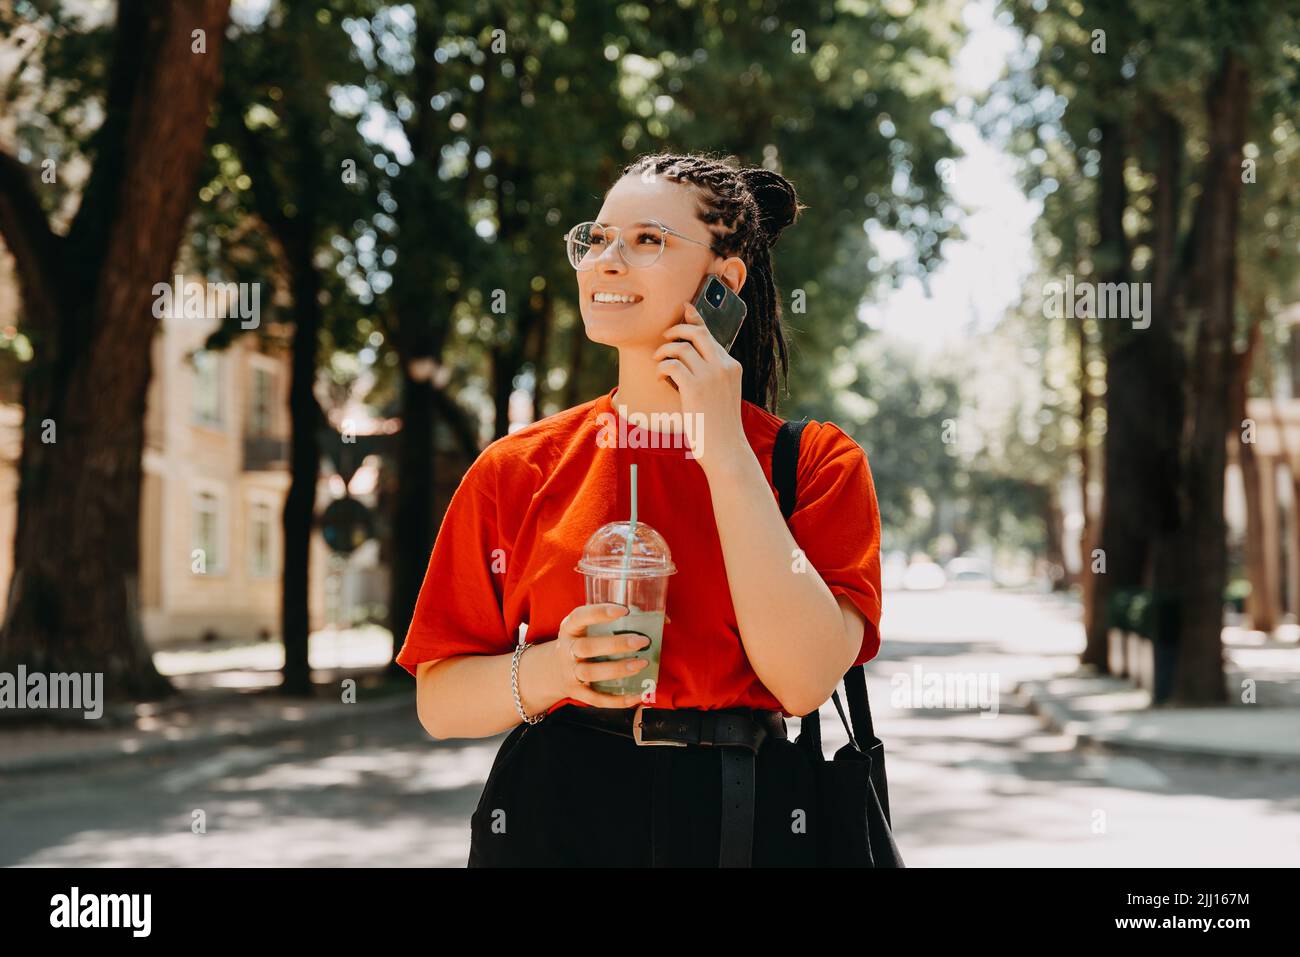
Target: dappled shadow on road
(969,790)
(379,794)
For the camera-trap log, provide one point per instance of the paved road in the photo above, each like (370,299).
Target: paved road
(972,782)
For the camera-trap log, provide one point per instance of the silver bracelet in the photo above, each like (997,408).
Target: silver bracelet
(514,686)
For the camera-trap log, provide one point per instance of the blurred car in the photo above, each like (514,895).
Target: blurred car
(923,576)
(893,566)
(967,572)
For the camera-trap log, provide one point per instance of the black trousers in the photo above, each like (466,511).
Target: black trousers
(567,795)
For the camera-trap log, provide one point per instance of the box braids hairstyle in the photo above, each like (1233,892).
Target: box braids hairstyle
(746,210)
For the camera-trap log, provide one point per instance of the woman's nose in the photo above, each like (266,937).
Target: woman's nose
(610,259)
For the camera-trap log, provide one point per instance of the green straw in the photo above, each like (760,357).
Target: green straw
(627,547)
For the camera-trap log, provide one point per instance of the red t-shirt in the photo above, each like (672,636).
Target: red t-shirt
(517,524)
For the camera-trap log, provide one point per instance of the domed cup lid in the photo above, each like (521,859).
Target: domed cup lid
(610,554)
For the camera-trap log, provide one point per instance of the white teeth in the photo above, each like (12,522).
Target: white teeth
(611,297)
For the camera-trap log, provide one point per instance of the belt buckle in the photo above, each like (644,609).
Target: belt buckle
(636,731)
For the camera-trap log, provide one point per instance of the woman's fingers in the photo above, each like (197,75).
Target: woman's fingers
(673,369)
(686,351)
(587,671)
(582,647)
(594,646)
(692,328)
(576,622)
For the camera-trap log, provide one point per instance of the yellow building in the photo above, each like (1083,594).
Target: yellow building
(215,480)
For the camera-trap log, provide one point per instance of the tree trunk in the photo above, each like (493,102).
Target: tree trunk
(573,382)
(505,365)
(540,354)
(1087,534)
(1261,603)
(1053,525)
(304,470)
(413,519)
(89,309)
(1199,677)
(1122,540)
(1167,373)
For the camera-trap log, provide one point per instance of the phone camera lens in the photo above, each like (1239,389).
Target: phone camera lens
(716,294)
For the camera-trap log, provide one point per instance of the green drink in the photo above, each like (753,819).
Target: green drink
(628,563)
(635,622)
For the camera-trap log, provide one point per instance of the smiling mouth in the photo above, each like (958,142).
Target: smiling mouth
(614,299)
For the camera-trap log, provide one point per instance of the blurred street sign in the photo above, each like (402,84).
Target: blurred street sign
(345,524)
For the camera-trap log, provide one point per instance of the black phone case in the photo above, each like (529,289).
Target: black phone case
(722,310)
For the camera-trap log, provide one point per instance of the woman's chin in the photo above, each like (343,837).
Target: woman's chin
(610,332)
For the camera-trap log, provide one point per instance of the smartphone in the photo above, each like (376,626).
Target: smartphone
(722,310)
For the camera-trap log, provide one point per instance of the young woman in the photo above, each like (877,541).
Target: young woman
(763,617)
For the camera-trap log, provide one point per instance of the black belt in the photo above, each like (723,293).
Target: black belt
(740,732)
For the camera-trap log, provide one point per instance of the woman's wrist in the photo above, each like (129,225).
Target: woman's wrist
(729,462)
(536,689)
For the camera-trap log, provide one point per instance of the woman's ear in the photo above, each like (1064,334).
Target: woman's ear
(733,273)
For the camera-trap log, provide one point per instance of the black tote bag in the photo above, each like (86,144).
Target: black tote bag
(852,827)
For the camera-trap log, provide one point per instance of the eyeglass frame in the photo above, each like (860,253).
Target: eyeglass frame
(622,249)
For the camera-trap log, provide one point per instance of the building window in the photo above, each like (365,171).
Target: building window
(260,526)
(259,415)
(206,555)
(207,388)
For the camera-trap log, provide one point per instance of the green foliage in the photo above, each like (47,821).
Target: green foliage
(273,174)
(533,132)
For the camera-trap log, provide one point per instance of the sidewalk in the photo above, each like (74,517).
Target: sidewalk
(1113,714)
(227,697)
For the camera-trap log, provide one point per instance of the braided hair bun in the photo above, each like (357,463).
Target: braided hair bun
(777,203)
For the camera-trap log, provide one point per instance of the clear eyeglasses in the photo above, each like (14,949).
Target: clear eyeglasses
(586,242)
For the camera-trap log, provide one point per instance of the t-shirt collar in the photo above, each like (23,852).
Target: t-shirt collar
(605,405)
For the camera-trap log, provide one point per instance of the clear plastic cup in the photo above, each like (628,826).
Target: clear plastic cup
(633,572)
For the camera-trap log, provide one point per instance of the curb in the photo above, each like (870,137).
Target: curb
(1059,718)
(262,730)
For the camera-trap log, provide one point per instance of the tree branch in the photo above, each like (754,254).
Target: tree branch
(463,426)
(26,232)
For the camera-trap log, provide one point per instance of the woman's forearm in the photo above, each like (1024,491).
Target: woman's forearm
(469,696)
(790,622)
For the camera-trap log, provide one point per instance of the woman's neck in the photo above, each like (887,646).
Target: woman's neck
(640,389)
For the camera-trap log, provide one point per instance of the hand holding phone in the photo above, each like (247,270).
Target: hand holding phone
(721,309)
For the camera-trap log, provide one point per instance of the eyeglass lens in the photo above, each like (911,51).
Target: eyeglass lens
(641,246)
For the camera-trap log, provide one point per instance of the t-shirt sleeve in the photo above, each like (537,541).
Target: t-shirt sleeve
(836,522)
(459,609)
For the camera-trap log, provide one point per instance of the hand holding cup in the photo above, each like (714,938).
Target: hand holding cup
(572,672)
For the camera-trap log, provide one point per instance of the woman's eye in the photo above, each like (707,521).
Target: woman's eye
(654,238)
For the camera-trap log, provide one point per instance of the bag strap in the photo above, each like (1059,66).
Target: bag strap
(785,466)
